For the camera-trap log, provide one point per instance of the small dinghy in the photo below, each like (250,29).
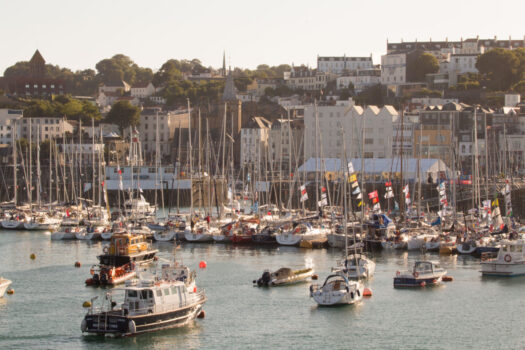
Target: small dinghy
(284,276)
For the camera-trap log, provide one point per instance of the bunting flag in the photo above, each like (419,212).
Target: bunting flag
(357,191)
(508,199)
(372,195)
(350,168)
(442,194)
(324,199)
(352,178)
(304,194)
(360,203)
(495,203)
(376,207)
(406,191)
(389,193)
(360,195)
(355,184)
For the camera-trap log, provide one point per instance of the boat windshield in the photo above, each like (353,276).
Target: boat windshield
(423,267)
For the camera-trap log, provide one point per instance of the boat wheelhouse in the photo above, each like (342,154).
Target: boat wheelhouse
(509,262)
(424,273)
(126,248)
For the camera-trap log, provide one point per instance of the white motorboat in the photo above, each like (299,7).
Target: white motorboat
(4,284)
(41,223)
(67,231)
(419,236)
(12,224)
(348,265)
(337,290)
(424,273)
(509,262)
(302,232)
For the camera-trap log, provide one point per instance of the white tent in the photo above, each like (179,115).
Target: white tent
(380,169)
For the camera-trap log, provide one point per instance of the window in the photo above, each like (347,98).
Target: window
(132,293)
(151,170)
(169,170)
(159,292)
(166,291)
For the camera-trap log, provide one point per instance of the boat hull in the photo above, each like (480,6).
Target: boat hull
(120,325)
(489,268)
(4,284)
(412,282)
(288,239)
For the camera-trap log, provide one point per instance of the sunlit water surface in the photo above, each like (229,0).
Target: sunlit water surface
(470,313)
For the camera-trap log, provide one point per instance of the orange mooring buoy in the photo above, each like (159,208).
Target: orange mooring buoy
(32,256)
(10,291)
(202,264)
(448,278)
(367,292)
(77,264)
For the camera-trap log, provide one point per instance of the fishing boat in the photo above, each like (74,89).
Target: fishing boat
(284,276)
(348,266)
(150,304)
(126,248)
(509,262)
(337,289)
(4,284)
(424,273)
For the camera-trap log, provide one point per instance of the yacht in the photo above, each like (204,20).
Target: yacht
(150,304)
(509,262)
(348,265)
(337,289)
(301,232)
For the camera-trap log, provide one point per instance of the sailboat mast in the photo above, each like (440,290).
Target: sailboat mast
(15,185)
(190,159)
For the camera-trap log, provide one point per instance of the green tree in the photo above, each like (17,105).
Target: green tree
(500,68)
(123,114)
(419,64)
(121,67)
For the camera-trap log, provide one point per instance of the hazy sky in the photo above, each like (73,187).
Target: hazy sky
(78,34)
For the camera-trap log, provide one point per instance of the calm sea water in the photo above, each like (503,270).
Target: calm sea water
(470,313)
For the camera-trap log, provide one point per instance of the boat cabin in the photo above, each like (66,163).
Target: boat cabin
(149,297)
(426,267)
(511,252)
(127,244)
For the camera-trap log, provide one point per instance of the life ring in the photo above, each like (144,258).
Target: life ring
(508,258)
(416,274)
(297,230)
(105,250)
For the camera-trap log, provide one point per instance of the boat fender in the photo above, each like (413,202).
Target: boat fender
(67,230)
(416,274)
(311,288)
(77,264)
(351,295)
(86,304)
(508,258)
(131,327)
(83,325)
(105,250)
(347,289)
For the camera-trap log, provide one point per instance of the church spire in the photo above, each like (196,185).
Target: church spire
(230,92)
(224,63)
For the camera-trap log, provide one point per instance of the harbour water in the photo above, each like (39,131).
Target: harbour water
(470,313)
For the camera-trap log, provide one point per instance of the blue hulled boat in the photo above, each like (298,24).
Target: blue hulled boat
(424,273)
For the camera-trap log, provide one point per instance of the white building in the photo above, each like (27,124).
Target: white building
(394,69)
(107,130)
(304,78)
(285,143)
(116,86)
(8,118)
(340,64)
(254,141)
(360,79)
(45,127)
(328,133)
(142,90)
(168,122)
(85,151)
